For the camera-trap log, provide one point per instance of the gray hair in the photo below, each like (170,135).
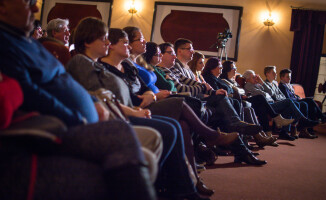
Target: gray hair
(56,25)
(247,74)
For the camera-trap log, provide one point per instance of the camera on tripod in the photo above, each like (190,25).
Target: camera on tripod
(224,37)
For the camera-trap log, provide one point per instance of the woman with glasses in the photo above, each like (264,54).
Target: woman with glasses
(153,57)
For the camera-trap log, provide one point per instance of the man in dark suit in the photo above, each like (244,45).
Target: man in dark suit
(287,89)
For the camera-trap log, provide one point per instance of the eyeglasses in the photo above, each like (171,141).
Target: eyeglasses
(140,40)
(171,53)
(189,49)
(32,2)
(158,55)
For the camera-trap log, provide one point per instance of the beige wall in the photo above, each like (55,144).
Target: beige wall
(258,46)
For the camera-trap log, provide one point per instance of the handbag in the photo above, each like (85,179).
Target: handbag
(197,105)
(238,92)
(108,99)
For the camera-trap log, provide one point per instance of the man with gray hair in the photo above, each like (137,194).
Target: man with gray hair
(58,29)
(256,86)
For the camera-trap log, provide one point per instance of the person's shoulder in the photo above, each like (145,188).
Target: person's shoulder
(79,58)
(281,85)
(208,76)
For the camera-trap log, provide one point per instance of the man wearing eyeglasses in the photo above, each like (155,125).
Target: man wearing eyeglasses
(216,100)
(184,51)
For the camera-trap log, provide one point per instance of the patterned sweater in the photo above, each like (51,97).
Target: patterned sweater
(185,84)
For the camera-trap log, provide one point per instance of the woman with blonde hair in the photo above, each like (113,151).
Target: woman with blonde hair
(197,65)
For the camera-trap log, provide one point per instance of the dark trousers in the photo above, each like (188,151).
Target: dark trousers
(314,111)
(303,106)
(288,109)
(262,109)
(222,109)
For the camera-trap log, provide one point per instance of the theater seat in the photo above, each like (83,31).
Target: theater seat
(57,49)
(30,165)
(298,90)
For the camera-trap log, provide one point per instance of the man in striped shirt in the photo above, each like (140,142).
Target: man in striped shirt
(217,100)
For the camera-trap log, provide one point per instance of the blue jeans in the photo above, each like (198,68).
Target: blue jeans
(314,111)
(174,175)
(288,109)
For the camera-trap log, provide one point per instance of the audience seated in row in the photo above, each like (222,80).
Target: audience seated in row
(169,99)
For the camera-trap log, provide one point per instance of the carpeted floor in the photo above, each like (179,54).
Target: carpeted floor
(295,170)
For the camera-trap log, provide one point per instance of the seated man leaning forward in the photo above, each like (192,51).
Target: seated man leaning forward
(49,89)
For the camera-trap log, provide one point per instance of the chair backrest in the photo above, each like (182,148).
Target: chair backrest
(240,80)
(11,97)
(298,90)
(59,51)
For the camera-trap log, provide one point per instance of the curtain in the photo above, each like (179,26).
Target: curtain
(308,27)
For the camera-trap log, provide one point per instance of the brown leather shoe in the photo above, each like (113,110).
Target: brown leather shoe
(203,189)
(263,141)
(305,134)
(274,144)
(224,139)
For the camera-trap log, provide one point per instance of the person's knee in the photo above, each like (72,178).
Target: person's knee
(150,138)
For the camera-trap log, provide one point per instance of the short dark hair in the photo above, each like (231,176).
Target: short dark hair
(268,69)
(164,46)
(115,34)
(283,72)
(227,67)
(87,31)
(180,42)
(131,32)
(151,50)
(212,63)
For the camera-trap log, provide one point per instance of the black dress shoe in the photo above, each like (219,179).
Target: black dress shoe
(200,168)
(274,144)
(304,122)
(305,134)
(246,143)
(203,189)
(220,152)
(249,159)
(245,128)
(312,132)
(285,136)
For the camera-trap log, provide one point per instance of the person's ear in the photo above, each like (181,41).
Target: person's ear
(86,45)
(54,33)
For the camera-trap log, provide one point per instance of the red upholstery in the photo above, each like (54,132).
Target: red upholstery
(11,97)
(298,90)
(58,50)
(240,80)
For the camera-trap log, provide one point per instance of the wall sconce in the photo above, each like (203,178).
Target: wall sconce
(269,22)
(132,7)
(269,18)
